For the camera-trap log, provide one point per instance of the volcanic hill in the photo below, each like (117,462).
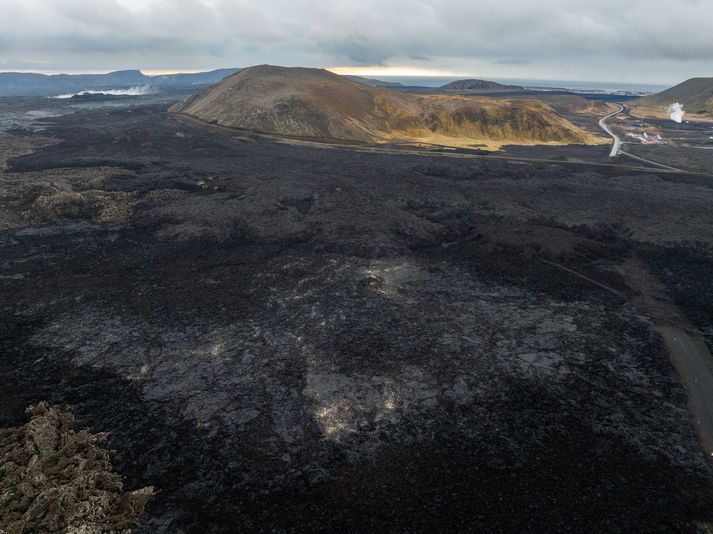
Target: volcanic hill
(479,85)
(315,103)
(696,96)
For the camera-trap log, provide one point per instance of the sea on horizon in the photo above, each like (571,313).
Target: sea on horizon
(605,87)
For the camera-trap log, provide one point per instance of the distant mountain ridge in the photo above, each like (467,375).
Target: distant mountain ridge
(315,103)
(23,83)
(695,94)
(479,85)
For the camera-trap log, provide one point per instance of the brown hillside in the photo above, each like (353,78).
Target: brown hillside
(316,103)
(696,96)
(479,85)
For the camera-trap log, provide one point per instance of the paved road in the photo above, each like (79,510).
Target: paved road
(616,146)
(695,364)
(192,121)
(603,125)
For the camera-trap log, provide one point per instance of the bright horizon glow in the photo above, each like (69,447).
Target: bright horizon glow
(410,72)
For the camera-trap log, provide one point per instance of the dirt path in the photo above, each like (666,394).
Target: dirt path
(585,277)
(650,162)
(694,363)
(686,347)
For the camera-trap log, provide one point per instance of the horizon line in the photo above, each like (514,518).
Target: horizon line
(370,71)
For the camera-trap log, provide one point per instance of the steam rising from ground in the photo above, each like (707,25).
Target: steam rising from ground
(676,112)
(132,91)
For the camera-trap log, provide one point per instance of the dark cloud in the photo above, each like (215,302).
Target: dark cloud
(511,62)
(358,50)
(607,39)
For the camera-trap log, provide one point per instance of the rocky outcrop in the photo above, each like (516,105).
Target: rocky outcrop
(53,479)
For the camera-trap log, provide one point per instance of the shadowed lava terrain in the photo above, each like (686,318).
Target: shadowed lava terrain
(280,337)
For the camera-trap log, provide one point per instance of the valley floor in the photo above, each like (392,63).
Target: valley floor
(286,337)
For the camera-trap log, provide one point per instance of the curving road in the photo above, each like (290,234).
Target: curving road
(192,121)
(187,120)
(616,146)
(617,141)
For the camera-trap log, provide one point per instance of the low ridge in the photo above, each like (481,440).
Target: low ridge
(695,94)
(371,81)
(479,85)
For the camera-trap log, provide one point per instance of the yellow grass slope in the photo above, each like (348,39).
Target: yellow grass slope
(316,103)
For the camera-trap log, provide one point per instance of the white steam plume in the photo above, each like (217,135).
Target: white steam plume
(676,112)
(132,91)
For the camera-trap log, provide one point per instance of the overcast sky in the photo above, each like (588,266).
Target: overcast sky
(647,41)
